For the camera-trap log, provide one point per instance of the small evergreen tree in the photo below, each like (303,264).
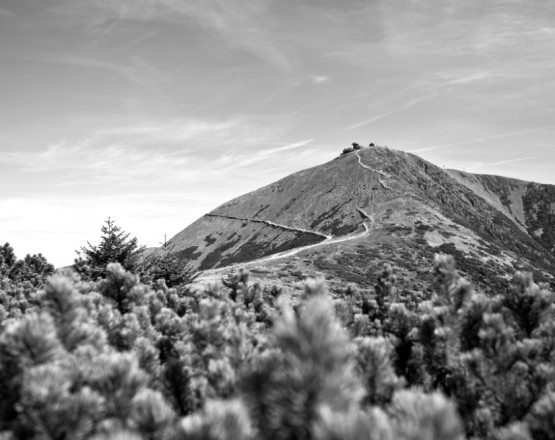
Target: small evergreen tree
(115,247)
(166,266)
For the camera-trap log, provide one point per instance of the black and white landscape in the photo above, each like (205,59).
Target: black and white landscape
(277,219)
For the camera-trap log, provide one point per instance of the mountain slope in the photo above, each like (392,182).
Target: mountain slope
(531,205)
(379,192)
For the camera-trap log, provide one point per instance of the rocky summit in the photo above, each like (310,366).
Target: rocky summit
(375,205)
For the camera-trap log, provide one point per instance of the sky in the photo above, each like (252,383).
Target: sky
(154,112)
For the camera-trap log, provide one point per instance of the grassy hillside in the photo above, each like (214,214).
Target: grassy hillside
(410,206)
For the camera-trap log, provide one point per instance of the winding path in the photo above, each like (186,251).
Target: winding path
(382,173)
(368,224)
(292,252)
(383,182)
(328,239)
(270,223)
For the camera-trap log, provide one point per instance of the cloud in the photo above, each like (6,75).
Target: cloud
(237,24)
(483,139)
(241,159)
(132,157)
(519,159)
(403,107)
(463,78)
(496,29)
(133,68)
(319,79)
(147,156)
(494,167)
(289,147)
(7,12)
(173,131)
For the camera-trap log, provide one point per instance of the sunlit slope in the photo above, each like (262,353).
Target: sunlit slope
(337,199)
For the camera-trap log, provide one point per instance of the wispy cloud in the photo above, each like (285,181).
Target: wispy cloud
(260,167)
(319,79)
(492,28)
(178,130)
(483,139)
(289,147)
(122,150)
(240,160)
(238,24)
(499,166)
(134,68)
(7,12)
(519,159)
(464,78)
(402,108)
(151,155)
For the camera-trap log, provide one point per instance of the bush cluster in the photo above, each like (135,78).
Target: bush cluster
(33,269)
(492,356)
(96,358)
(356,146)
(116,246)
(118,359)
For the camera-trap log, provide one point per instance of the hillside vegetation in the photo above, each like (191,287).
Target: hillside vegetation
(119,359)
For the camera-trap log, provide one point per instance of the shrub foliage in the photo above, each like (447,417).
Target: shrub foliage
(114,358)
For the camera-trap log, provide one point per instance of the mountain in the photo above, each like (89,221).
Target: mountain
(342,220)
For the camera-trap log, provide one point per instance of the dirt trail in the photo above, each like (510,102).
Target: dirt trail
(385,182)
(382,173)
(292,252)
(367,224)
(295,251)
(270,223)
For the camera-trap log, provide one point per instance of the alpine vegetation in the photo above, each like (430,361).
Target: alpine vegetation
(118,358)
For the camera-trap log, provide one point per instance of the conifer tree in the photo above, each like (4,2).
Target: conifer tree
(115,247)
(166,266)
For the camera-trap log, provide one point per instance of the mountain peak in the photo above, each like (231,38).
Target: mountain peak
(365,189)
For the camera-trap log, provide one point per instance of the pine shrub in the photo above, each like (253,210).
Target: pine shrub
(114,358)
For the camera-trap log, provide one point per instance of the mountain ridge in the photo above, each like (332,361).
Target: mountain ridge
(310,209)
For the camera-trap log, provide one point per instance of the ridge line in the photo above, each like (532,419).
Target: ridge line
(273,224)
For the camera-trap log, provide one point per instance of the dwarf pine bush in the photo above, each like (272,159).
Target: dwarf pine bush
(114,358)
(33,269)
